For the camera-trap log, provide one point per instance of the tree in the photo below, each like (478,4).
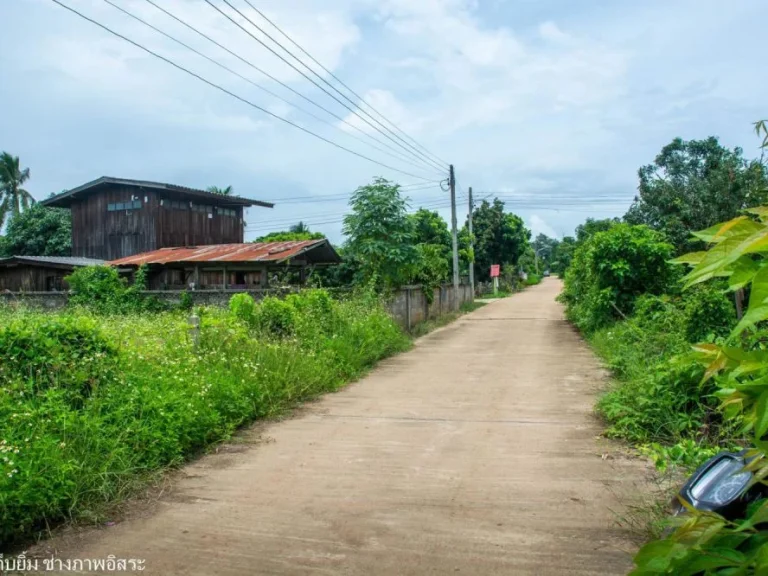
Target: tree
(562,255)
(544,249)
(39,231)
(380,237)
(290,236)
(221,191)
(500,238)
(299,228)
(13,198)
(693,184)
(592,227)
(430,228)
(611,269)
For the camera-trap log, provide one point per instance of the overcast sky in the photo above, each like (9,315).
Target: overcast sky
(543,98)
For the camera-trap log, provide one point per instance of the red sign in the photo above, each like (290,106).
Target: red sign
(495,270)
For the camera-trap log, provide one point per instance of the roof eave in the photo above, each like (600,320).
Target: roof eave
(64,199)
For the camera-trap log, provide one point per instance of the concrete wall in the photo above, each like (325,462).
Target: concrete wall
(408,307)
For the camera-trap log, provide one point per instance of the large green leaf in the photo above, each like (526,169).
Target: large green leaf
(715,263)
(760,211)
(691,258)
(761,415)
(758,303)
(742,272)
(741,226)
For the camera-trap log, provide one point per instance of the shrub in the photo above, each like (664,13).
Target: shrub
(276,317)
(242,307)
(611,269)
(98,287)
(532,280)
(65,354)
(101,289)
(709,314)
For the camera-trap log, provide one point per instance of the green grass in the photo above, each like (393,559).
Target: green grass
(92,406)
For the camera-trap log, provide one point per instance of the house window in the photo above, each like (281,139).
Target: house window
(120,206)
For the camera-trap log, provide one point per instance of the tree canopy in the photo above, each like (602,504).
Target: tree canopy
(13,198)
(379,234)
(39,231)
(500,237)
(694,184)
(227,191)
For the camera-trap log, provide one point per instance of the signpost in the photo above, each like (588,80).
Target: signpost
(495,270)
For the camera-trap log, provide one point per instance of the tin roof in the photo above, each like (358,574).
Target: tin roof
(315,251)
(66,261)
(65,199)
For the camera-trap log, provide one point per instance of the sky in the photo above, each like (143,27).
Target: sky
(552,105)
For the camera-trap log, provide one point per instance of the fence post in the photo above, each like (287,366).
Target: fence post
(194,330)
(408,307)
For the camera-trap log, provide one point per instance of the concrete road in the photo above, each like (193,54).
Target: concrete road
(475,453)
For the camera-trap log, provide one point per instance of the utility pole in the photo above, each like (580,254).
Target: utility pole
(454,239)
(471,248)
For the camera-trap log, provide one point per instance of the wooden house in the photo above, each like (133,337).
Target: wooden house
(230,266)
(39,273)
(114,218)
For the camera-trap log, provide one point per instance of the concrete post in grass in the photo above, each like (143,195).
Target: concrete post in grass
(194,330)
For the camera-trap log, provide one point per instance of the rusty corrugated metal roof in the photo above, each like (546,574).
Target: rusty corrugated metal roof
(251,252)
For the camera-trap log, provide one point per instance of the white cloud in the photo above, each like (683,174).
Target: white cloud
(538,225)
(521,96)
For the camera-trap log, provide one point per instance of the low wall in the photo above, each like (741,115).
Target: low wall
(408,307)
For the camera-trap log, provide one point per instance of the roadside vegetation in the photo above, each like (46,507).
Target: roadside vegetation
(92,403)
(656,294)
(97,399)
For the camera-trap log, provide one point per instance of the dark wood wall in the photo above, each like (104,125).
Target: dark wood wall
(25,278)
(187,227)
(109,235)
(160,222)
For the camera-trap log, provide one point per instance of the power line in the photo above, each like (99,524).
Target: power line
(240,98)
(394,151)
(352,110)
(220,65)
(325,218)
(339,80)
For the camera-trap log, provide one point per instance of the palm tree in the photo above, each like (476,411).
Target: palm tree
(222,191)
(299,228)
(13,198)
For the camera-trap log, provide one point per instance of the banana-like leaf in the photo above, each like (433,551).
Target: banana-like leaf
(742,272)
(758,303)
(760,211)
(740,226)
(691,258)
(715,263)
(761,415)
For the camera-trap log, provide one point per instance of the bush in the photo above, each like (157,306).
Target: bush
(276,317)
(611,269)
(102,290)
(91,404)
(709,314)
(242,307)
(532,280)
